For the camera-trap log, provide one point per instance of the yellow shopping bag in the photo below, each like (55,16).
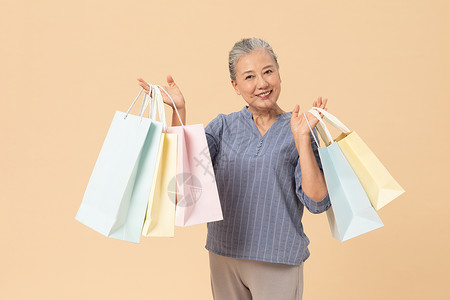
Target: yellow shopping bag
(378,183)
(160,215)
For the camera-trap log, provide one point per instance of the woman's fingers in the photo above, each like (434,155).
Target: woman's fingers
(295,111)
(170,80)
(144,85)
(318,102)
(323,106)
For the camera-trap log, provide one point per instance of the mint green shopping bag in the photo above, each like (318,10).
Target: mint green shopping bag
(351,213)
(116,197)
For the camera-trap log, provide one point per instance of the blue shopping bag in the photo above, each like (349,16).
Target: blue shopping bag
(116,197)
(351,213)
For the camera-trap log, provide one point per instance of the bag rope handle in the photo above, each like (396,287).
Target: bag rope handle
(151,100)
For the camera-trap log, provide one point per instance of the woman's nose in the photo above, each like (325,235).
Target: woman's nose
(262,83)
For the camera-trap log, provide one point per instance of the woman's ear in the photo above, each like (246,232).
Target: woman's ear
(234,84)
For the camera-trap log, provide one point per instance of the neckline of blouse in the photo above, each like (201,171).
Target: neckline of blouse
(248,114)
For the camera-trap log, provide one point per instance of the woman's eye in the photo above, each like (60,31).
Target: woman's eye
(268,71)
(248,77)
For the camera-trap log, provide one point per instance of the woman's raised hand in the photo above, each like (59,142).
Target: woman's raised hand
(298,122)
(171,88)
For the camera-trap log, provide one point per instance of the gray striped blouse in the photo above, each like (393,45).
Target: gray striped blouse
(259,183)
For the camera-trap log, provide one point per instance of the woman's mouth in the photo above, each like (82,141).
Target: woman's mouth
(264,95)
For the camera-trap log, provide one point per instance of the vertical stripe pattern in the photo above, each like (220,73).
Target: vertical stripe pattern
(259,183)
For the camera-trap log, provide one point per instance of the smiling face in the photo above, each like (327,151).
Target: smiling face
(258,80)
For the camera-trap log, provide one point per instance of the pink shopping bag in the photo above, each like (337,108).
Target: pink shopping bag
(196,193)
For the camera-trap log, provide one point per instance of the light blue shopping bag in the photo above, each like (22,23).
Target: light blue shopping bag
(351,213)
(131,230)
(116,197)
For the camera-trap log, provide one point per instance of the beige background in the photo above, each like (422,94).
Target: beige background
(66,66)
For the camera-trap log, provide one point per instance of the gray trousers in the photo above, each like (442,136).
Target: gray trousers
(242,279)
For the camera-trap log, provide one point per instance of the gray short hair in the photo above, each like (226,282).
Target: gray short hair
(246,46)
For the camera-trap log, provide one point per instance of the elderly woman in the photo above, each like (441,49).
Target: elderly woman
(267,170)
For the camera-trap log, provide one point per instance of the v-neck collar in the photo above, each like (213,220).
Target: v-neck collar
(248,115)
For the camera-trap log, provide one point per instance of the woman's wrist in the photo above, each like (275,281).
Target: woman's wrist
(179,107)
(176,118)
(303,137)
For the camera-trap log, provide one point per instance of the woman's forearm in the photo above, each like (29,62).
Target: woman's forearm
(313,181)
(175,120)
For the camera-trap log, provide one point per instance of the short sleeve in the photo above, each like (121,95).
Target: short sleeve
(213,133)
(313,206)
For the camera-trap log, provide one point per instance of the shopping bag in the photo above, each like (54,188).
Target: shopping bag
(132,228)
(116,196)
(160,215)
(380,186)
(197,196)
(351,213)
